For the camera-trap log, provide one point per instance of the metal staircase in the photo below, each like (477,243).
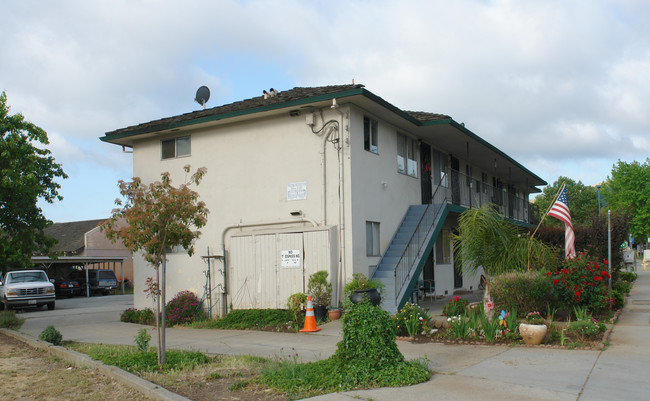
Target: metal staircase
(401,264)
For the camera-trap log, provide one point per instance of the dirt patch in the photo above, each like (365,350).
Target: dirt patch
(29,374)
(217,381)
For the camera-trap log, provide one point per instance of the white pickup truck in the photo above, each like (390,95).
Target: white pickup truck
(20,288)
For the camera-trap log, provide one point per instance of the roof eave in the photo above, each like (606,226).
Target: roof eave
(114,138)
(463,129)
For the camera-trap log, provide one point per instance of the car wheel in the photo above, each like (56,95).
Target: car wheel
(105,292)
(2,305)
(50,306)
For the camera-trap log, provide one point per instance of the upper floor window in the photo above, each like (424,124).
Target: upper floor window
(370,135)
(175,147)
(406,150)
(439,168)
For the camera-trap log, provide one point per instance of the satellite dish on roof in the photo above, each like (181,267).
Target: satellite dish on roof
(202,96)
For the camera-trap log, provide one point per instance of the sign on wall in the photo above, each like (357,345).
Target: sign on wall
(296,191)
(290,258)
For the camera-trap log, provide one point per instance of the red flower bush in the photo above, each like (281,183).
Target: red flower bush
(580,282)
(185,307)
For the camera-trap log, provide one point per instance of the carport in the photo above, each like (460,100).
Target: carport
(46,262)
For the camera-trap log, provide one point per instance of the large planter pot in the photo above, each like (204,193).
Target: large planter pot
(371,294)
(320,312)
(532,334)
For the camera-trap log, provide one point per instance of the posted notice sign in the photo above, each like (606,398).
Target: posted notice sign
(296,191)
(290,258)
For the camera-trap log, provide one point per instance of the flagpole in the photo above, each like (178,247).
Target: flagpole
(547,210)
(530,240)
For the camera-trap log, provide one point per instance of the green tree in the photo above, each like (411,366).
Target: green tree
(487,240)
(629,187)
(28,174)
(158,217)
(583,201)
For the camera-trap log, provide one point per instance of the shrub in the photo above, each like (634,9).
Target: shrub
(366,357)
(522,291)
(622,286)
(628,276)
(184,308)
(456,306)
(368,353)
(142,340)
(242,319)
(51,335)
(581,282)
(296,303)
(142,316)
(586,329)
(618,299)
(411,320)
(9,320)
(319,288)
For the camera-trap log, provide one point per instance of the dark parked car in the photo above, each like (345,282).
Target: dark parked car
(99,280)
(66,287)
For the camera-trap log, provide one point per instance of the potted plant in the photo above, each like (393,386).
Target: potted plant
(361,287)
(533,328)
(333,313)
(321,293)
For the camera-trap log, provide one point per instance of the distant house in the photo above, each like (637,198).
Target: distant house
(81,244)
(328,178)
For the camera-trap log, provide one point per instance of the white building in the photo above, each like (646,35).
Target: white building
(326,178)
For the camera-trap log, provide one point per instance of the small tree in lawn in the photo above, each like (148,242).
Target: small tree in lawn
(159,216)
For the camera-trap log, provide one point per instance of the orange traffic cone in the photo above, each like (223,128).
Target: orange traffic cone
(310,319)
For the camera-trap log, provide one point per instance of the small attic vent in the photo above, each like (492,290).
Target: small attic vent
(271,93)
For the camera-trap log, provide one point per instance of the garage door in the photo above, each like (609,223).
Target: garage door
(265,269)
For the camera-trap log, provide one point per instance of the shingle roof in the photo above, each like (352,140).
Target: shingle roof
(71,235)
(297,93)
(425,116)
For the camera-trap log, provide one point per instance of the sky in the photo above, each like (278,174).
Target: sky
(561,86)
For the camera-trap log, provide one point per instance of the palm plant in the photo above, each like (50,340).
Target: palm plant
(488,240)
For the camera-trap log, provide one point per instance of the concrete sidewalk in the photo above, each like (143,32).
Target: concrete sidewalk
(472,372)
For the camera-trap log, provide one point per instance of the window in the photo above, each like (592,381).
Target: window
(176,147)
(406,151)
(443,248)
(484,180)
(439,168)
(372,238)
(370,135)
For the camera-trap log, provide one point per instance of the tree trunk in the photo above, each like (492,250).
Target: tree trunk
(157,295)
(488,304)
(163,348)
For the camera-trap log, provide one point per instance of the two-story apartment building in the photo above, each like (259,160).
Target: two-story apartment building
(325,178)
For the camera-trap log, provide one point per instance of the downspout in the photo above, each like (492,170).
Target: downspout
(324,163)
(326,124)
(342,270)
(240,225)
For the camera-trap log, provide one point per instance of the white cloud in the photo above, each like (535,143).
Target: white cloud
(561,86)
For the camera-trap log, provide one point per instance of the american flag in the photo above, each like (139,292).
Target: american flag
(560,211)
